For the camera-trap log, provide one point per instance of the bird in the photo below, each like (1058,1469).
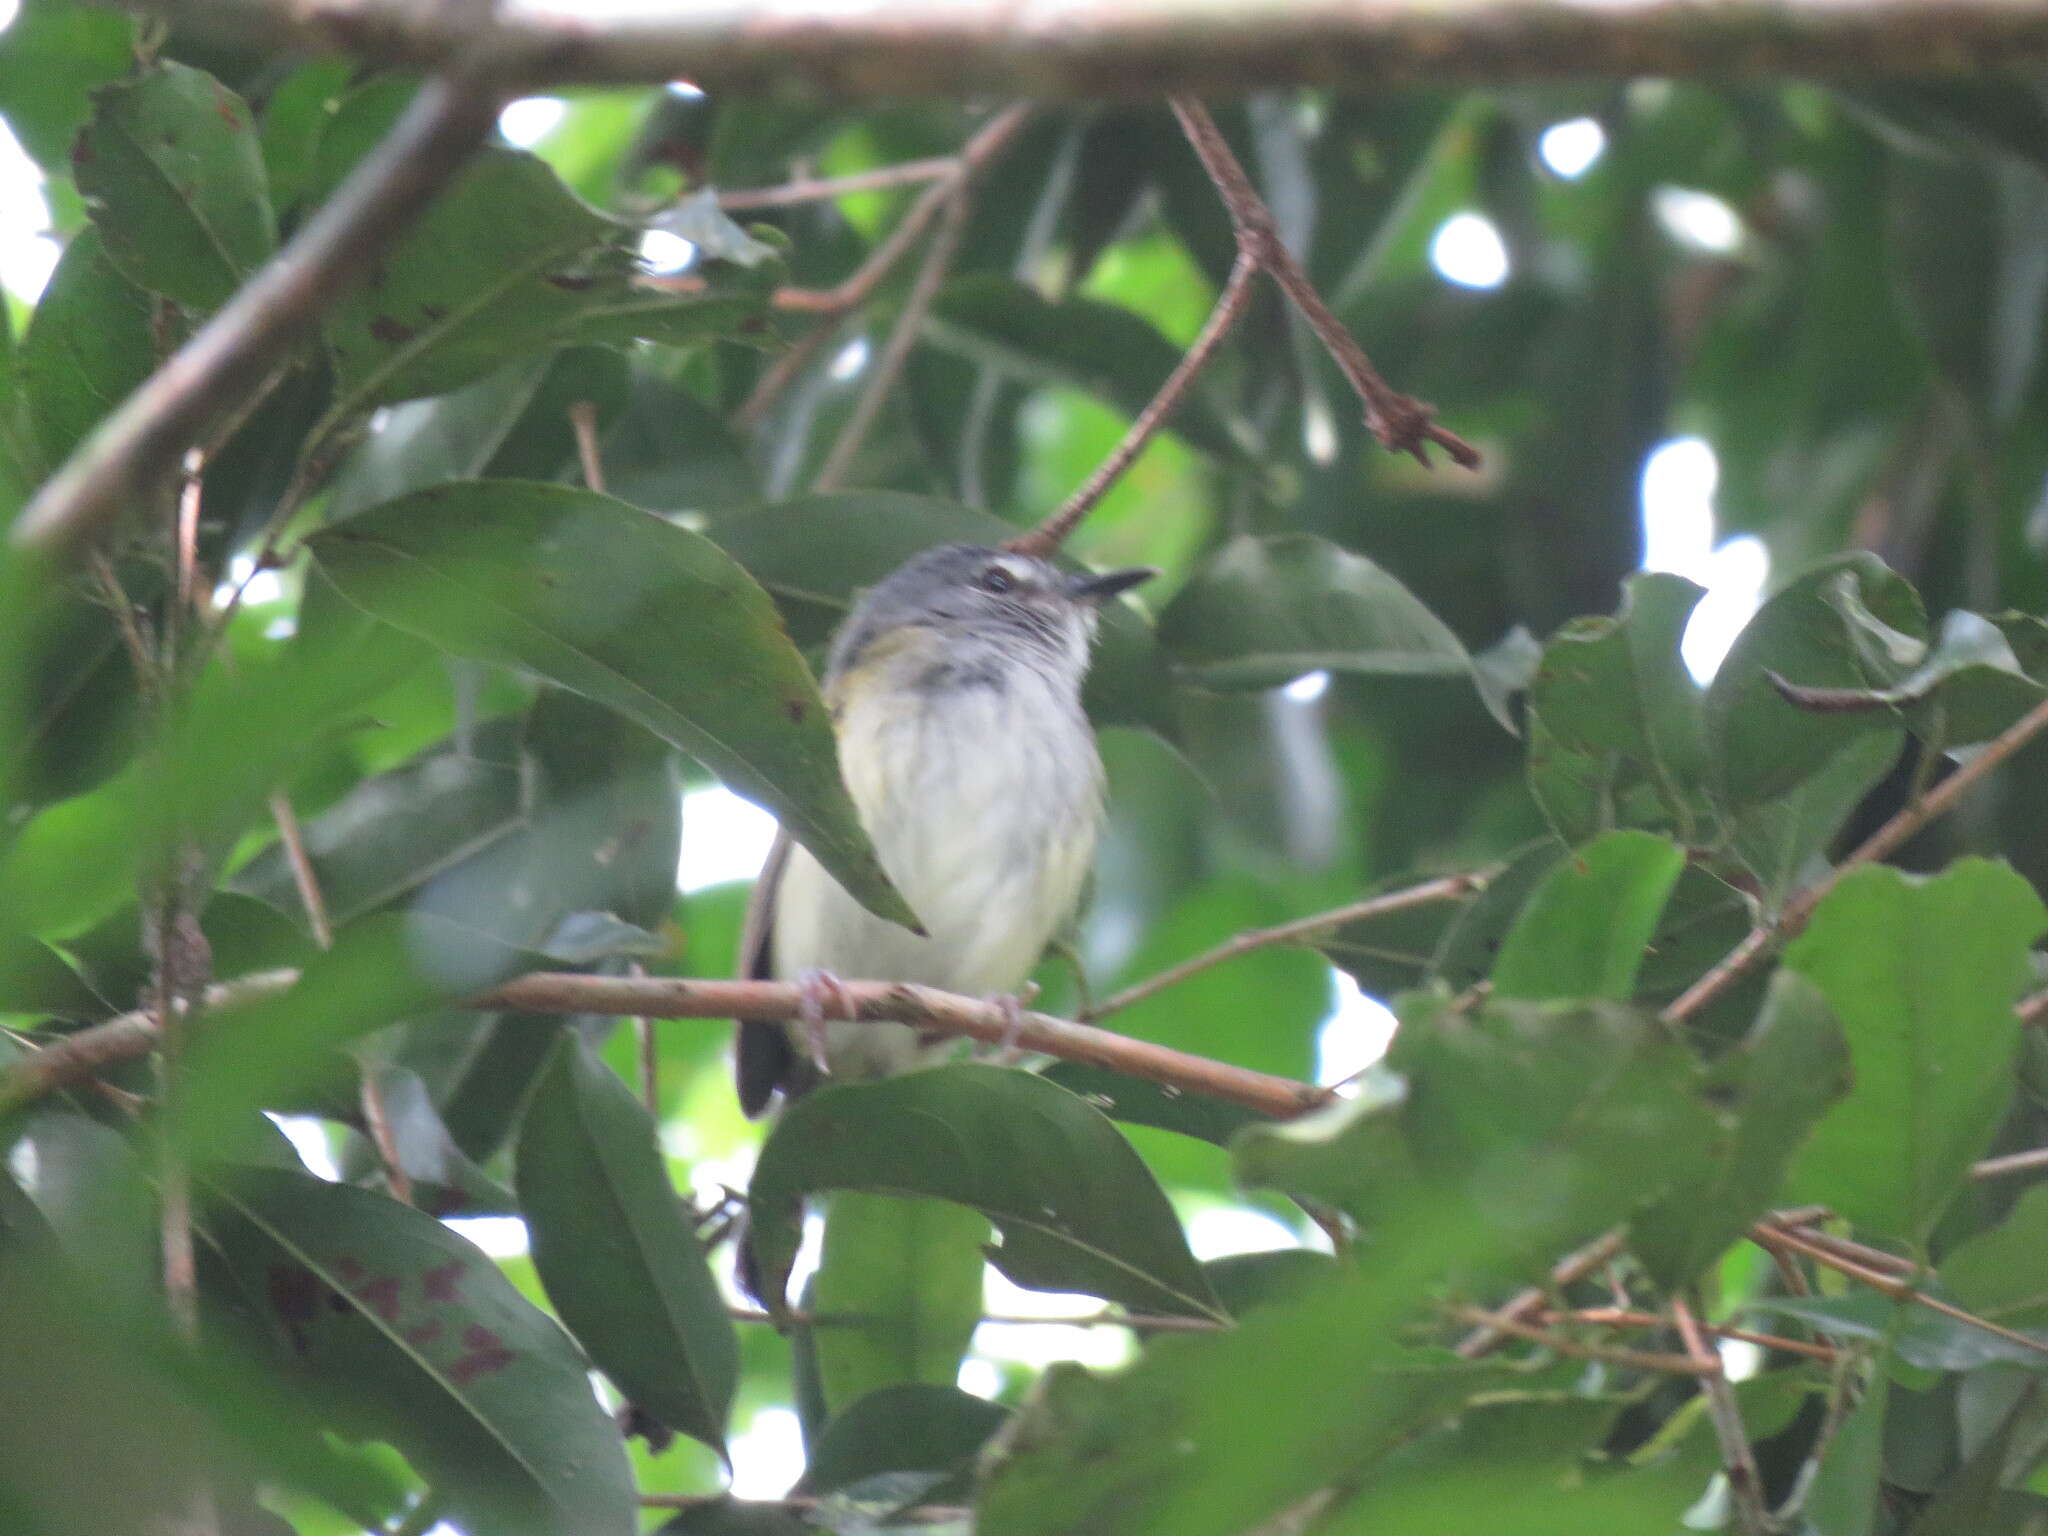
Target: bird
(954,686)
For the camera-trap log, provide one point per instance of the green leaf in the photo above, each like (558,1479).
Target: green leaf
(1922,974)
(2002,1273)
(1266,610)
(617,1249)
(505,263)
(1140,1101)
(816,553)
(88,345)
(915,1427)
(1101,349)
(1003,1142)
(899,1284)
(1584,930)
(1772,1091)
(1247,1280)
(1781,840)
(1554,1119)
(172,170)
(1763,746)
(1618,708)
(52,56)
(1353,1153)
(636,613)
(424,1339)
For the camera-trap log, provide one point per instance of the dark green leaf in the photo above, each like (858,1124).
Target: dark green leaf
(1584,930)
(88,345)
(817,552)
(1771,1092)
(1618,706)
(1764,746)
(1352,1154)
(617,1249)
(1468,947)
(1247,1280)
(2002,1274)
(1922,974)
(1139,1101)
(899,1289)
(1266,610)
(432,1347)
(638,614)
(52,55)
(1003,1142)
(916,1427)
(172,169)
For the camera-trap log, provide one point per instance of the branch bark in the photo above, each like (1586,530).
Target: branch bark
(870,49)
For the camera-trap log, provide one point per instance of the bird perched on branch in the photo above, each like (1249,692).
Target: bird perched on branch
(955,688)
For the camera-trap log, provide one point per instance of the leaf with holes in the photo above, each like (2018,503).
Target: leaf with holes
(423,1342)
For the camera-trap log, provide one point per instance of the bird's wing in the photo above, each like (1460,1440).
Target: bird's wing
(764,1059)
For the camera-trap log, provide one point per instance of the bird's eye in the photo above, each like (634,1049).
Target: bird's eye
(996,579)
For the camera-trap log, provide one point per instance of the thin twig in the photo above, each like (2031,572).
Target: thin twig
(882,373)
(1887,839)
(2033,1008)
(1628,1317)
(1136,1323)
(2032,1159)
(1635,1359)
(837,302)
(231,357)
(1569,1270)
(1738,1457)
(383,1135)
(1230,305)
(815,189)
(141,654)
(583,422)
(293,838)
(1446,888)
(1401,423)
(1890,1285)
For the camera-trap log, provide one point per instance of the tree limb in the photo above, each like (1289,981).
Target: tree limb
(870,49)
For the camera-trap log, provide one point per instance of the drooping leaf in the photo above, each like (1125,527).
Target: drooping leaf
(1774,1090)
(414,1332)
(1003,1142)
(1922,974)
(1584,929)
(816,553)
(1266,610)
(898,1292)
(636,613)
(617,1249)
(172,170)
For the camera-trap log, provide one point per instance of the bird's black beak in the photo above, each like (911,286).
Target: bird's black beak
(1091,588)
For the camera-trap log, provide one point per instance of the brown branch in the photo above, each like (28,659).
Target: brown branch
(876,49)
(1738,1458)
(1137,1322)
(813,189)
(1887,839)
(2012,1162)
(882,373)
(383,1137)
(1626,1317)
(583,422)
(1447,888)
(1635,1359)
(77,1057)
(1402,423)
(290,835)
(1569,1270)
(1230,305)
(2033,1008)
(1898,1289)
(226,364)
(835,303)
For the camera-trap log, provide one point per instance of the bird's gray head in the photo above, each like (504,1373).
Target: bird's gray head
(981,603)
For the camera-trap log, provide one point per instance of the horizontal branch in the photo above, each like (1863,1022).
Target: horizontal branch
(77,1057)
(871,49)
